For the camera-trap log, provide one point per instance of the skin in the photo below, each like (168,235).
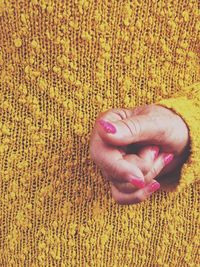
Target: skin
(129,151)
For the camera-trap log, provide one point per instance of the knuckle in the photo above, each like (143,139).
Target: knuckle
(118,197)
(119,114)
(111,114)
(125,187)
(116,171)
(146,166)
(135,126)
(154,172)
(148,178)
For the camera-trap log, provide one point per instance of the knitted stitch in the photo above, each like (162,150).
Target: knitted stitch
(61,63)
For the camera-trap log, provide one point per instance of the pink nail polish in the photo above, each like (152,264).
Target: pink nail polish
(168,158)
(136,181)
(152,187)
(155,151)
(107,126)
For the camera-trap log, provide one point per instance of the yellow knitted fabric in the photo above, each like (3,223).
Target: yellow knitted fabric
(61,63)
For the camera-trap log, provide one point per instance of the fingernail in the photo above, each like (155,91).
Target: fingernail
(152,187)
(168,158)
(107,126)
(155,151)
(136,181)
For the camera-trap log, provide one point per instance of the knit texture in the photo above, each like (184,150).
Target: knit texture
(61,63)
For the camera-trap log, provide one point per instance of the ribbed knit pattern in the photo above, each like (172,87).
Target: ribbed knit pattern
(61,63)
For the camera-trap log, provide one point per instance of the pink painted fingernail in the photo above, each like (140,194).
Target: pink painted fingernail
(107,126)
(168,158)
(152,187)
(136,181)
(155,150)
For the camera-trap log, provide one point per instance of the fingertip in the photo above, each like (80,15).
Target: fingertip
(136,181)
(107,126)
(148,190)
(106,130)
(109,133)
(154,186)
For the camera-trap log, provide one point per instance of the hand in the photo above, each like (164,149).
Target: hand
(127,193)
(143,160)
(146,125)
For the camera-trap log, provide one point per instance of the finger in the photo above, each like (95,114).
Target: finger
(144,161)
(111,160)
(127,187)
(149,153)
(122,171)
(129,130)
(159,164)
(136,197)
(124,187)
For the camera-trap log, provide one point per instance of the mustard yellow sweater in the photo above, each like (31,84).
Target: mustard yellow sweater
(61,63)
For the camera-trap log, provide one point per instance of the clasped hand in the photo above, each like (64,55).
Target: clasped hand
(133,147)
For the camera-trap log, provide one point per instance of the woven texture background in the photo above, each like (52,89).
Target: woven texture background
(61,63)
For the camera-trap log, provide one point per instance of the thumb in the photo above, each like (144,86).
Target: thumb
(126,131)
